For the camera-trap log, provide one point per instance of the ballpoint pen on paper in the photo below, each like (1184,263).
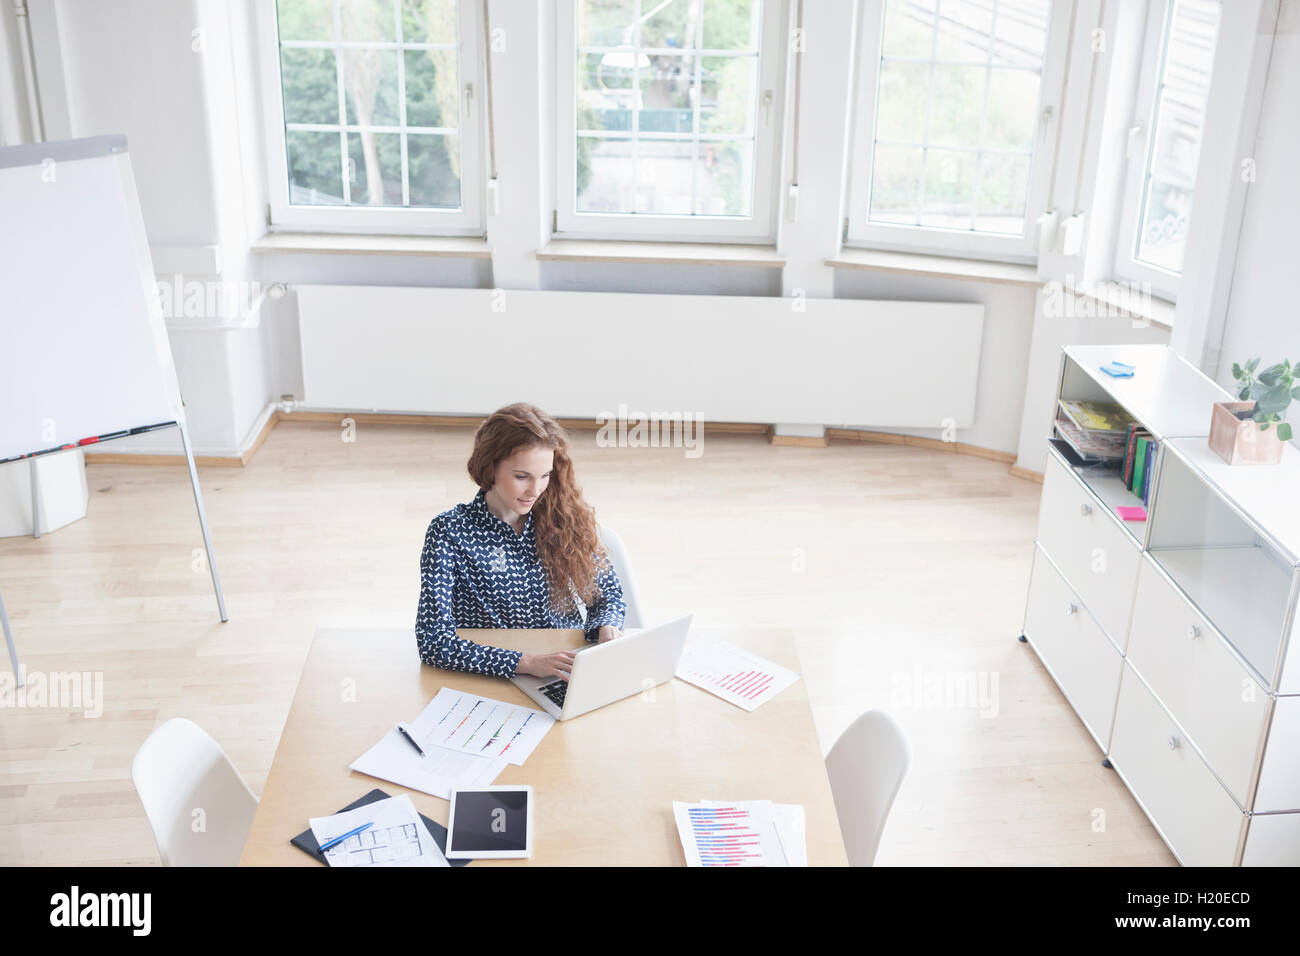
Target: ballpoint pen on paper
(403,731)
(339,839)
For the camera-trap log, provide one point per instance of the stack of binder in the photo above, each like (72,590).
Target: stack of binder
(1139,459)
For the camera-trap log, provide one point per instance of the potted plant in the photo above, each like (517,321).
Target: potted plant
(1254,430)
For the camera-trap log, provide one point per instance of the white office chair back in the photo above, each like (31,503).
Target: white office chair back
(198,805)
(623,567)
(866,767)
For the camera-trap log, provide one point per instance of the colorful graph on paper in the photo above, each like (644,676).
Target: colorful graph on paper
(731,673)
(729,834)
(479,725)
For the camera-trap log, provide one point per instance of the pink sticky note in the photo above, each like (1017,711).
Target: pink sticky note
(1132,512)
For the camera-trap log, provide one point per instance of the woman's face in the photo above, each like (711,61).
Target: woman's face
(521,478)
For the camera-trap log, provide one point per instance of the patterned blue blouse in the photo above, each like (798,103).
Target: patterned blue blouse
(476,571)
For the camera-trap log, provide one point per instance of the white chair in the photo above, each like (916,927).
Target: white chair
(618,557)
(178,771)
(866,766)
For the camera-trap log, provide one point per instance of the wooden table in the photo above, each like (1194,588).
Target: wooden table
(604,782)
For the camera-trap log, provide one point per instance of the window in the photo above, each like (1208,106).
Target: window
(1165,141)
(954,124)
(369,121)
(668,117)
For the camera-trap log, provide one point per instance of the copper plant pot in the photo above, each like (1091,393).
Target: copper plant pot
(1241,441)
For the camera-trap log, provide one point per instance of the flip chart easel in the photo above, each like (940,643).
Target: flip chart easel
(85,353)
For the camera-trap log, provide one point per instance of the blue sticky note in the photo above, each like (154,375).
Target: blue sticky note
(1118,370)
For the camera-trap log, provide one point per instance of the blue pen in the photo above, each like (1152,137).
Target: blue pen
(339,839)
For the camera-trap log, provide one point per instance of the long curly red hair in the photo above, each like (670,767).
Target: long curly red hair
(564,524)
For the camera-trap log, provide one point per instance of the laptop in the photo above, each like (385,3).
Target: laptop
(609,672)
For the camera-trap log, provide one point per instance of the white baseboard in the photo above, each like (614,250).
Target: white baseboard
(167,441)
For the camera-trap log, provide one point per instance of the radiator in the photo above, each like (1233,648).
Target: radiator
(584,354)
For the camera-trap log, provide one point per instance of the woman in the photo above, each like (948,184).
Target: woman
(523,553)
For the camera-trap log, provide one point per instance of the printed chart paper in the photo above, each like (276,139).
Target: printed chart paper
(735,675)
(398,836)
(477,725)
(718,833)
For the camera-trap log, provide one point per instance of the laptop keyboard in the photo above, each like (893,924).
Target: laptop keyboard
(555,691)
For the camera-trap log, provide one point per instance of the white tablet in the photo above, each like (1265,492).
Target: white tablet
(490,823)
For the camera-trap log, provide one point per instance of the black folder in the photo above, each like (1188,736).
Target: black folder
(306,841)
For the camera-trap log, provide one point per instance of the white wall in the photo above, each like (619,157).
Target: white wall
(174,76)
(1263,318)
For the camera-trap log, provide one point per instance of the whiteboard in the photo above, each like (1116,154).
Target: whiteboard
(83,347)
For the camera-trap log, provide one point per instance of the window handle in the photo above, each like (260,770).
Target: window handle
(1134,135)
(767,106)
(469,93)
(1045,120)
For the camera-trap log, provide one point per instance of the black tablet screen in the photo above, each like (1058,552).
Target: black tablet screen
(491,820)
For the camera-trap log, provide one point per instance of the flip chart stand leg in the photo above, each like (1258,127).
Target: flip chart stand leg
(203,520)
(9,639)
(36,499)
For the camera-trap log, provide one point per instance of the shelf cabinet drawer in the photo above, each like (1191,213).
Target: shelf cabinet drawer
(1085,664)
(1097,556)
(1197,678)
(1279,776)
(1197,817)
(1273,840)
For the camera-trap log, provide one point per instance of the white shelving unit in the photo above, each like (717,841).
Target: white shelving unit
(1170,637)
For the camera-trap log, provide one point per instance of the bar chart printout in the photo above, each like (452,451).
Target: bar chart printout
(728,834)
(731,673)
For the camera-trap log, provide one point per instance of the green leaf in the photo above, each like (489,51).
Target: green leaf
(1295,393)
(1274,400)
(1284,431)
(1252,365)
(1237,371)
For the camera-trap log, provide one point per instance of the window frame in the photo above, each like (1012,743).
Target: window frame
(1155,44)
(759,228)
(468,220)
(861,232)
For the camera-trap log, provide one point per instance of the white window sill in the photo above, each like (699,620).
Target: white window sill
(689,253)
(947,267)
(1116,298)
(455,247)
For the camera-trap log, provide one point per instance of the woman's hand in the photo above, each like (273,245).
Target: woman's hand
(554,664)
(607,633)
